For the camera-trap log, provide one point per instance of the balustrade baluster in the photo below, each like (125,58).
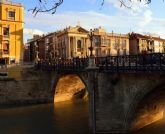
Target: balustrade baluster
(160,62)
(106,63)
(151,65)
(129,62)
(123,60)
(117,58)
(136,58)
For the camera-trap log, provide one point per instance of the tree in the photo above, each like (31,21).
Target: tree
(45,6)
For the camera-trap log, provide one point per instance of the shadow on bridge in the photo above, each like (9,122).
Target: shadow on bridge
(150,108)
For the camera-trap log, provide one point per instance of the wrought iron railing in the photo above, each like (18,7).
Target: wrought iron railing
(129,63)
(132,63)
(75,64)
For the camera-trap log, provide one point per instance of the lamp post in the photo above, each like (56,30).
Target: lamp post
(92,72)
(36,54)
(91,34)
(91,57)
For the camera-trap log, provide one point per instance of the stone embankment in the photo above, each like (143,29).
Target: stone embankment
(24,85)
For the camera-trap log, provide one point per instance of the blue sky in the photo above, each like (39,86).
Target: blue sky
(146,19)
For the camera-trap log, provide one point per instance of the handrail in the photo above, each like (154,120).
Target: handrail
(154,62)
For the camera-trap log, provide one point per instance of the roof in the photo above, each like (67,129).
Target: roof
(113,35)
(7,2)
(77,29)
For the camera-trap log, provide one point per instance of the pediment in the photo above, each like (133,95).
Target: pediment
(78,30)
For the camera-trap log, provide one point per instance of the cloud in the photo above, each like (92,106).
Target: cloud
(33,31)
(90,19)
(139,9)
(146,19)
(120,22)
(135,5)
(115,3)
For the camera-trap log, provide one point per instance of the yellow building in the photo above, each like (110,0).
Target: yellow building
(141,44)
(110,44)
(74,42)
(11,31)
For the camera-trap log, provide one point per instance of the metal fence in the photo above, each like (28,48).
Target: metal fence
(75,64)
(129,63)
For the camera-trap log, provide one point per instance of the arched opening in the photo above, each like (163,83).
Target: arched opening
(70,87)
(71,107)
(150,109)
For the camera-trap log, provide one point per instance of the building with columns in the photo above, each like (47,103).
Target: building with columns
(67,43)
(71,42)
(74,42)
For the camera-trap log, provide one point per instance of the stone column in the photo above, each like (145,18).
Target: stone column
(84,47)
(69,48)
(75,47)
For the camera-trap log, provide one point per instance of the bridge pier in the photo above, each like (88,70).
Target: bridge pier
(92,80)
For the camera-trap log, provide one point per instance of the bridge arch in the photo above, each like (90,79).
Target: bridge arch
(147,106)
(80,79)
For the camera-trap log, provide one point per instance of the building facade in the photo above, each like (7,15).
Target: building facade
(74,42)
(141,44)
(11,31)
(67,43)
(159,45)
(110,44)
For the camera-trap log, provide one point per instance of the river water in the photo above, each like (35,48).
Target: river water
(59,118)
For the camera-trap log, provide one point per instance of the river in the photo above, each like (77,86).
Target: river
(59,118)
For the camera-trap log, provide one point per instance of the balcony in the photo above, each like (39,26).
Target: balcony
(80,49)
(1,37)
(10,3)
(4,53)
(5,37)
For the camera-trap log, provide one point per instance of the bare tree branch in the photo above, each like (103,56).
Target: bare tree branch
(45,6)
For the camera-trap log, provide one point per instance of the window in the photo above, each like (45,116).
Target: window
(97,41)
(6,48)
(79,45)
(11,15)
(123,45)
(47,40)
(6,31)
(108,41)
(124,52)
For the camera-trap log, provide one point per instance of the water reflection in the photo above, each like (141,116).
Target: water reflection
(154,128)
(61,118)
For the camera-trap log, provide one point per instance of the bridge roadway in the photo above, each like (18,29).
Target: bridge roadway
(126,93)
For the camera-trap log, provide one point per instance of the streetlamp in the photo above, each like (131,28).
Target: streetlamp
(91,58)
(36,59)
(91,34)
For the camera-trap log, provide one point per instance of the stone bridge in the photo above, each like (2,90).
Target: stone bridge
(123,96)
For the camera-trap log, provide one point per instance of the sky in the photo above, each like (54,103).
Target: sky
(141,18)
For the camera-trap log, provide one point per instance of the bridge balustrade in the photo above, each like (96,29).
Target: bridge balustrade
(128,63)
(75,64)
